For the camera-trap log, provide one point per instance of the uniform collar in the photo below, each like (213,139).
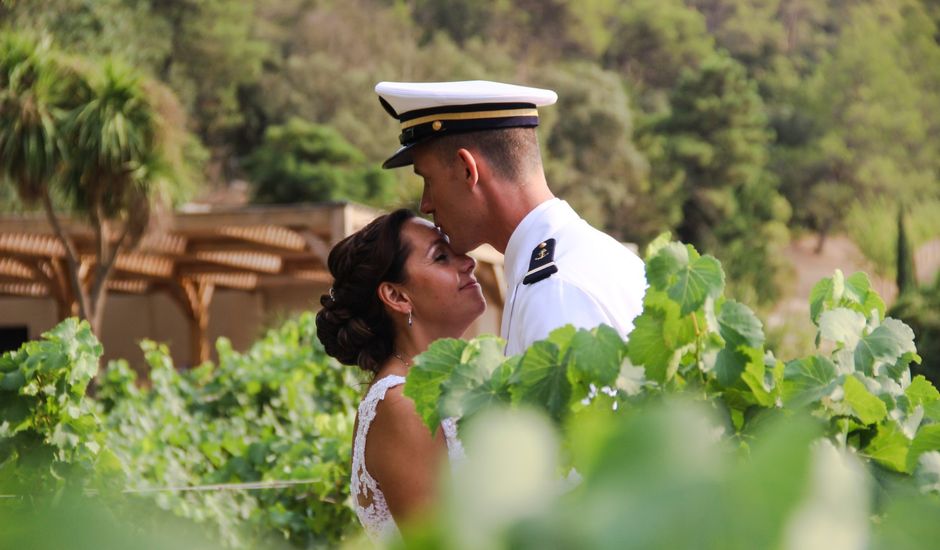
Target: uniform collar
(539,224)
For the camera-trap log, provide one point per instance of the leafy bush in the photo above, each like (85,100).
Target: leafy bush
(692,342)
(281,411)
(658,475)
(50,434)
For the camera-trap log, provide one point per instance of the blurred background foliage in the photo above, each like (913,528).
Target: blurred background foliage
(736,124)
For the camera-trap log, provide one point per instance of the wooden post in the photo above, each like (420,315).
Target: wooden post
(195,296)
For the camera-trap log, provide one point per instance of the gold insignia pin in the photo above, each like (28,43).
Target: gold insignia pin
(436,125)
(542,253)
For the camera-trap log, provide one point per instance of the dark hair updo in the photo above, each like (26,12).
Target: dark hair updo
(353,324)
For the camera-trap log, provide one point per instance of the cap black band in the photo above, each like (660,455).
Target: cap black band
(475,108)
(420,124)
(422,131)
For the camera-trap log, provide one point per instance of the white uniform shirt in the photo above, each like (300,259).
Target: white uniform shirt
(599,280)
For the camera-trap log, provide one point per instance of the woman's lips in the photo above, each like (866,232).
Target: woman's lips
(470,284)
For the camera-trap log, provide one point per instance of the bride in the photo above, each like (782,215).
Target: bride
(398,287)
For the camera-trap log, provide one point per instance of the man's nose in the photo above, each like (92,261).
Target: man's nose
(426,207)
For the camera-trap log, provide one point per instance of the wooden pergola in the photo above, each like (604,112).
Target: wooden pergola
(194,253)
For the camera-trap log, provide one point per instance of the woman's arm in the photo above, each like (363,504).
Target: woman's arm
(403,456)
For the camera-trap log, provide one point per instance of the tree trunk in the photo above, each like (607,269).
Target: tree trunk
(72,261)
(821,239)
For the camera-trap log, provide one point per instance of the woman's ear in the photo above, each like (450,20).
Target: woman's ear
(394,298)
(469,165)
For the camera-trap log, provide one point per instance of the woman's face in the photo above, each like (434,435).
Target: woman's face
(444,292)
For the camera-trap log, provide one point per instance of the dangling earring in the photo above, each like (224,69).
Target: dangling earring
(409,319)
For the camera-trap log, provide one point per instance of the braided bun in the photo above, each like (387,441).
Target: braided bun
(353,325)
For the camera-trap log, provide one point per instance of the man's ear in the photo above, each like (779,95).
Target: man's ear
(394,298)
(470,166)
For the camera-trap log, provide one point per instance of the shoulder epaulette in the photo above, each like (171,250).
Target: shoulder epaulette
(542,264)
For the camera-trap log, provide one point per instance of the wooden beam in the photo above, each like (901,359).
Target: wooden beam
(11,267)
(218,243)
(241,281)
(128,286)
(26,290)
(268,235)
(144,264)
(162,243)
(31,245)
(255,261)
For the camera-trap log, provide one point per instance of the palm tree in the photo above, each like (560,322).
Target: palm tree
(126,151)
(103,138)
(36,96)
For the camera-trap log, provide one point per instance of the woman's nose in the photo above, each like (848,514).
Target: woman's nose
(469,263)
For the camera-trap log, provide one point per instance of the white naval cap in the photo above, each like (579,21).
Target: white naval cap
(427,109)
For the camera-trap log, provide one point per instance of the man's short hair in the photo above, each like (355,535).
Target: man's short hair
(511,152)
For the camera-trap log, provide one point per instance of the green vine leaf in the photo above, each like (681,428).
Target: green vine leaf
(921,391)
(807,380)
(842,326)
(885,345)
(542,379)
(648,346)
(866,406)
(818,297)
(889,447)
(858,289)
(739,326)
(764,383)
(426,377)
(688,278)
(596,356)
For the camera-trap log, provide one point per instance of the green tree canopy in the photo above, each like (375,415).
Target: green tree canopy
(204,50)
(870,114)
(652,42)
(715,144)
(304,162)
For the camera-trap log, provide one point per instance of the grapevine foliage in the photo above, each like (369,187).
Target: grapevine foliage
(691,340)
(281,411)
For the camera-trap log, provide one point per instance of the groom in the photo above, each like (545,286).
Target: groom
(475,146)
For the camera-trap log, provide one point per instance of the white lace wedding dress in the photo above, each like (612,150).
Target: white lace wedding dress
(368,499)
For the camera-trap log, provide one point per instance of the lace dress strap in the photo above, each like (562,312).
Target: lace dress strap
(368,499)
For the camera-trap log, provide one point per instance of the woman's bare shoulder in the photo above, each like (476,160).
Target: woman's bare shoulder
(396,416)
